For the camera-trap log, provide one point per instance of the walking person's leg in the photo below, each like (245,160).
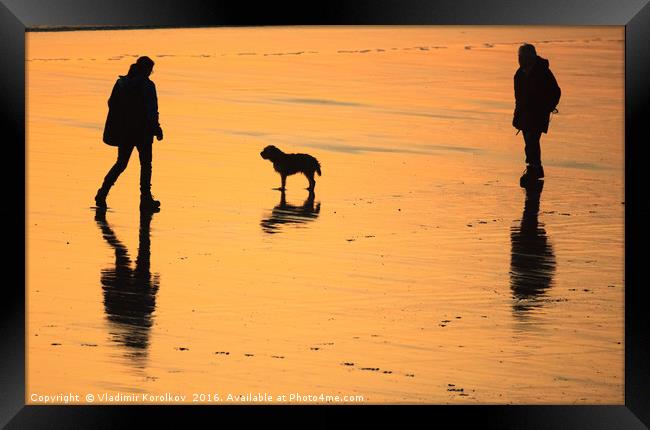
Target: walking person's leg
(145,154)
(123,155)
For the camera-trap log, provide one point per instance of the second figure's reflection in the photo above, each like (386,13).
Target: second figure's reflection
(129,292)
(285,213)
(532,263)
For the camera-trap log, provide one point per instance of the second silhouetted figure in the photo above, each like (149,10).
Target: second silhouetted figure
(536,96)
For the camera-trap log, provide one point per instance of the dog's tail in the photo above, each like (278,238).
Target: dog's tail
(318,168)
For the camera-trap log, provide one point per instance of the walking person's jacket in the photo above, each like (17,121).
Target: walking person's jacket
(132,111)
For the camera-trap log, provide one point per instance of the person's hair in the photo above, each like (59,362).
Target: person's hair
(528,49)
(143,63)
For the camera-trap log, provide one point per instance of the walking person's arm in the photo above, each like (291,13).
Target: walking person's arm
(151,105)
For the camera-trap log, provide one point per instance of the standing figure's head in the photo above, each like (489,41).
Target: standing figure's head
(527,55)
(142,67)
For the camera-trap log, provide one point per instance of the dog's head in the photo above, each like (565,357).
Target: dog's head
(271,153)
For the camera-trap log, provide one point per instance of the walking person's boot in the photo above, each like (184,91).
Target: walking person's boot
(147,202)
(100,197)
(107,184)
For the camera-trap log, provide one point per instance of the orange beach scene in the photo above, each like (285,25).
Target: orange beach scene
(416,267)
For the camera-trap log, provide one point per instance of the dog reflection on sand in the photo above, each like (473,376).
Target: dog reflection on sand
(285,213)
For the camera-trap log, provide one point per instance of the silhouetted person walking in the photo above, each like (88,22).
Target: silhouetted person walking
(132,122)
(536,96)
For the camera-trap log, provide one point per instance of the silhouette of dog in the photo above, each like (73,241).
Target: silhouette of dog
(290,164)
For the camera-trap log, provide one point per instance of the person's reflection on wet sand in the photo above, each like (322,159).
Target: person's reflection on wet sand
(285,213)
(532,263)
(129,293)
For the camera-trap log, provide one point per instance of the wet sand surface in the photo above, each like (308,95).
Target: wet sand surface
(419,272)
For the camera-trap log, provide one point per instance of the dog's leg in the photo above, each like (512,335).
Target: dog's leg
(309,203)
(312,181)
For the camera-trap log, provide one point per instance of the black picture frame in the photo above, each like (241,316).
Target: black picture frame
(19,16)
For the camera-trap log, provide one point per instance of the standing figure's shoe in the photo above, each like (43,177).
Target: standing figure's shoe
(531,174)
(525,177)
(535,171)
